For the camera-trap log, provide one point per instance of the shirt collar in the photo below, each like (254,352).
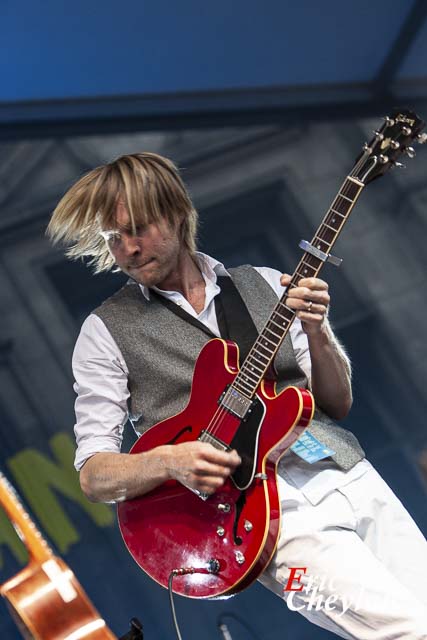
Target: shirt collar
(210,268)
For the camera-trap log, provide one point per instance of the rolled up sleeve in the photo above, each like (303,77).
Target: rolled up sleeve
(101,385)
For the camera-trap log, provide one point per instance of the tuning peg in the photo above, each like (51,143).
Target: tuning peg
(378,134)
(410,152)
(422,138)
(389,122)
(399,165)
(406,131)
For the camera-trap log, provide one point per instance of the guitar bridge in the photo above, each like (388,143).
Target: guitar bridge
(206,436)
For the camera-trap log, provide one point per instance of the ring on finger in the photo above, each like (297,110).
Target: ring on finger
(310,304)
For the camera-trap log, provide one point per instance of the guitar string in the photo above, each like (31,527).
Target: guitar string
(221,414)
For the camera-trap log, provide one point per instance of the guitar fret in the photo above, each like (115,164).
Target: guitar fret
(307,263)
(233,386)
(245,372)
(275,323)
(267,355)
(258,353)
(238,382)
(264,337)
(264,365)
(251,377)
(282,304)
(329,227)
(297,273)
(316,239)
(309,266)
(273,332)
(356,181)
(341,195)
(284,322)
(236,385)
(253,366)
(342,215)
(276,313)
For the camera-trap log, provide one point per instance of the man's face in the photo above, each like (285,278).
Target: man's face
(151,255)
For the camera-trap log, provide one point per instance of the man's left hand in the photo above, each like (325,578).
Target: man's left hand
(310,299)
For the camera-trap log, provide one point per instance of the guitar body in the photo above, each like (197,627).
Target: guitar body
(48,603)
(234,532)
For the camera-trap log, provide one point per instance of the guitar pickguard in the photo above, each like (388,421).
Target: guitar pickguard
(245,442)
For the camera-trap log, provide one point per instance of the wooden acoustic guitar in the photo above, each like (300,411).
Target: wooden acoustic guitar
(45,598)
(209,547)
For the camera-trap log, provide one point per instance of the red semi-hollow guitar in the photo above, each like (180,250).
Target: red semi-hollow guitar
(218,545)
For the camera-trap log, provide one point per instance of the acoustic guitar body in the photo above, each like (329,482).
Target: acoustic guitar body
(48,603)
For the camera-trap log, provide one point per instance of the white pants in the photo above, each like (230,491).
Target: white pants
(365,557)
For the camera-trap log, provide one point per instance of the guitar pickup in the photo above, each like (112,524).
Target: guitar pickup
(236,403)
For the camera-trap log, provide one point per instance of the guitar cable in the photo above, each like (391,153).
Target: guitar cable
(213,566)
(175,572)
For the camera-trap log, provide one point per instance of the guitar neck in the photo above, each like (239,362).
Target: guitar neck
(36,545)
(261,356)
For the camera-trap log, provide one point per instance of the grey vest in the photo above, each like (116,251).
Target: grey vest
(160,350)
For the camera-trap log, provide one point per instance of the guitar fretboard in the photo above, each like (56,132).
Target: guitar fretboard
(261,356)
(36,545)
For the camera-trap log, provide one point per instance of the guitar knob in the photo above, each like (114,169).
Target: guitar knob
(410,152)
(220,531)
(225,508)
(240,558)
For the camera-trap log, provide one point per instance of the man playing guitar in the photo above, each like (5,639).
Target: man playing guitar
(134,358)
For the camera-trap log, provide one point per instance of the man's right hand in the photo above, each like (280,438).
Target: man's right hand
(199,465)
(108,476)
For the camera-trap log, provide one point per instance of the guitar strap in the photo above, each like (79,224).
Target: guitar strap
(181,313)
(234,320)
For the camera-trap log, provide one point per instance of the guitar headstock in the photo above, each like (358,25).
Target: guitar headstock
(392,140)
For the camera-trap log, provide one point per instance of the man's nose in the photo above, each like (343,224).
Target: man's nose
(130,244)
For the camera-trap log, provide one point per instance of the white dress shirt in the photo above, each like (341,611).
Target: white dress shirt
(101,381)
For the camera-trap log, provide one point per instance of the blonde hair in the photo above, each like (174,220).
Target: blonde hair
(150,188)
